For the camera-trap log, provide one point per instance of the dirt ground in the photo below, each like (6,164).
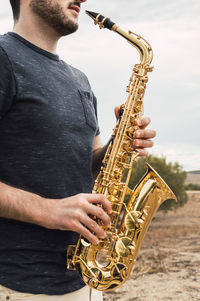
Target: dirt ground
(168,264)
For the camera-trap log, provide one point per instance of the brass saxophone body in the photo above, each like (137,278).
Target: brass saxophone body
(108,265)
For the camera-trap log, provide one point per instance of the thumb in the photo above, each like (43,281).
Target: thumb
(116,110)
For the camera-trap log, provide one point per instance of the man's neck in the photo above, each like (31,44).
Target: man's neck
(38,34)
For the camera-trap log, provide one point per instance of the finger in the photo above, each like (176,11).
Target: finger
(93,226)
(99,199)
(143,143)
(100,213)
(143,122)
(145,134)
(86,233)
(142,152)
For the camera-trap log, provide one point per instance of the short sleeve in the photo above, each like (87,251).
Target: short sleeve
(95,108)
(7,83)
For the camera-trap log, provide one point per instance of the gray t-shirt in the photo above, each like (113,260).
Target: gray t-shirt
(47,127)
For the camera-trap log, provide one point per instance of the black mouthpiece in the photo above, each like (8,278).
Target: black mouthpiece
(101,20)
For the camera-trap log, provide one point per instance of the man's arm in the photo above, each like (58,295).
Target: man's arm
(72,213)
(21,205)
(98,155)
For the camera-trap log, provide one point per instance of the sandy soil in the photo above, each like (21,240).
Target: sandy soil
(168,265)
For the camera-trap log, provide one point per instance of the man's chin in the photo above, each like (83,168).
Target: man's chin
(67,30)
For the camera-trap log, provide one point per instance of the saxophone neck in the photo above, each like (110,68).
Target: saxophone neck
(143,47)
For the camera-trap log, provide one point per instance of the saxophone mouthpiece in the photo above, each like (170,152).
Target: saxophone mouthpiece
(103,22)
(92,14)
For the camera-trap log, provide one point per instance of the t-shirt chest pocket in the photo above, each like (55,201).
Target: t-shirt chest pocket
(88,109)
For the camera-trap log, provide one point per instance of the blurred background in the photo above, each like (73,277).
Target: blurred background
(172,96)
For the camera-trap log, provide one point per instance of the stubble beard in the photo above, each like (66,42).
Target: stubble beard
(54,16)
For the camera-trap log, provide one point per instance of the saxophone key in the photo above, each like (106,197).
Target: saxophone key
(117,270)
(124,246)
(115,212)
(132,224)
(113,189)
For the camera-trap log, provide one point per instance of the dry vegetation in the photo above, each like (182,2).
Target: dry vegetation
(192,178)
(168,265)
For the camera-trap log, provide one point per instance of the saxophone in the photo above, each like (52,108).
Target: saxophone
(108,265)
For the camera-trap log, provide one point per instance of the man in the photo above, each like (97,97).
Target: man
(49,141)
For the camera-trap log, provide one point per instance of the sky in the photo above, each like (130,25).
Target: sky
(172,97)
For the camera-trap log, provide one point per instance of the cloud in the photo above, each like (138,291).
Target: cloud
(186,155)
(143,10)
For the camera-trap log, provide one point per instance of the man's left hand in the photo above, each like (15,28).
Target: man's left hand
(144,136)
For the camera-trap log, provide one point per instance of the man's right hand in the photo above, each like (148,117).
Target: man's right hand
(74,214)
(68,214)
